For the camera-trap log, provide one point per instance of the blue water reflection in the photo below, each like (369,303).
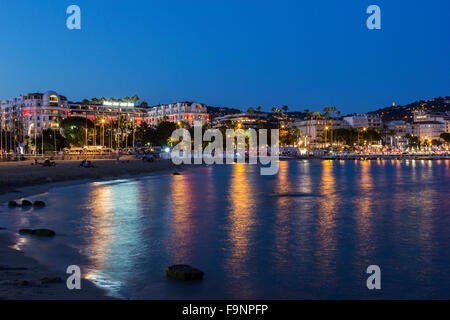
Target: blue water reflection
(308,232)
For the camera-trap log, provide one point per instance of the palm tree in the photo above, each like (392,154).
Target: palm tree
(250,110)
(333,110)
(135,98)
(326,112)
(307,113)
(259,109)
(285,108)
(316,115)
(123,126)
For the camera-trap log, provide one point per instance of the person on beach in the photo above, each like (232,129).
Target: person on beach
(48,163)
(86,164)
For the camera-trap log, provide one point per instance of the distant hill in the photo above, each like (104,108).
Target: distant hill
(215,112)
(406,112)
(296,114)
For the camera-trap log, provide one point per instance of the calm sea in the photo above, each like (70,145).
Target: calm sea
(309,232)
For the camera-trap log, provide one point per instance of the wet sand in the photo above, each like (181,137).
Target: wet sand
(23,278)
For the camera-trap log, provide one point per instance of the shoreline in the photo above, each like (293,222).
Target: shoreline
(19,179)
(25,278)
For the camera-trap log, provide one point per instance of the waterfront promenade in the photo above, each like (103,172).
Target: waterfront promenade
(424,156)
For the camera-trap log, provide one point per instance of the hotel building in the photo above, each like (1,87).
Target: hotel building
(316,129)
(398,132)
(108,111)
(360,121)
(429,127)
(180,111)
(31,113)
(242,120)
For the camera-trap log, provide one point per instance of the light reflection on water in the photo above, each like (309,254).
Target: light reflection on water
(308,232)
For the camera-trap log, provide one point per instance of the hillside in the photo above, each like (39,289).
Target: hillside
(435,105)
(215,112)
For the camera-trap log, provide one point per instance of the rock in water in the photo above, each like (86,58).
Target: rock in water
(38,203)
(38,232)
(184,272)
(43,233)
(25,231)
(176,173)
(48,280)
(26,203)
(12,204)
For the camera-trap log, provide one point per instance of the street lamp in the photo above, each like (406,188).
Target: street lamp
(103,132)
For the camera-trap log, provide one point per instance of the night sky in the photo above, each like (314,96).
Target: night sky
(304,54)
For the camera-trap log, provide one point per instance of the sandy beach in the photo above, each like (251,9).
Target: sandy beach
(14,176)
(22,277)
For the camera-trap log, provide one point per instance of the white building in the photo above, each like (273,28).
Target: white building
(27,114)
(429,130)
(360,121)
(179,112)
(429,126)
(242,120)
(399,130)
(317,129)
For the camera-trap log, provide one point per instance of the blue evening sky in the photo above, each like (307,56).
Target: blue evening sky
(233,53)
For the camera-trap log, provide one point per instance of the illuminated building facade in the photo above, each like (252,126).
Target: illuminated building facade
(429,126)
(360,121)
(316,129)
(109,112)
(242,120)
(179,112)
(31,113)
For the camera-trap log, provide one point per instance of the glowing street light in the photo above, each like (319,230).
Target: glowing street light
(103,131)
